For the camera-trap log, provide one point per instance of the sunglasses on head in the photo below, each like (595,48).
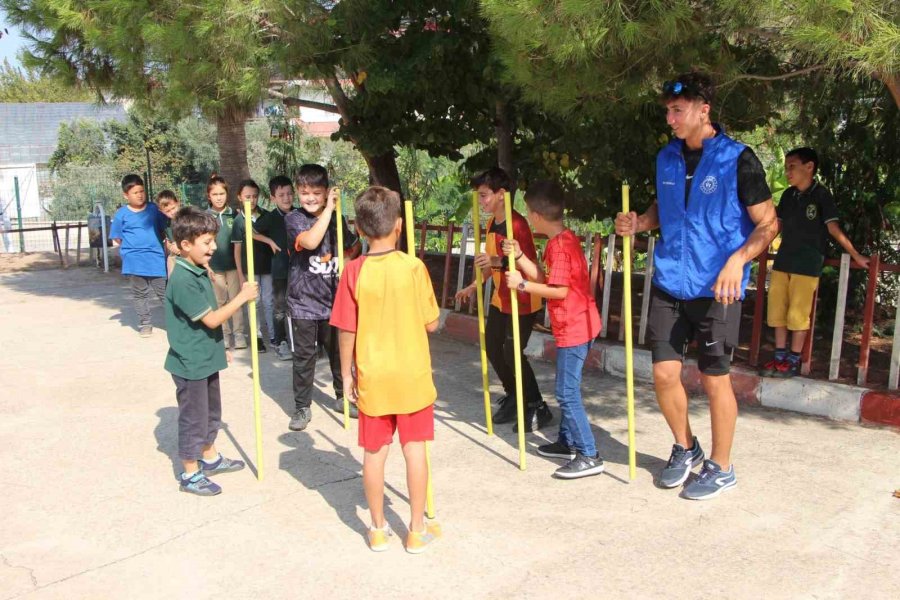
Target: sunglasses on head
(677,88)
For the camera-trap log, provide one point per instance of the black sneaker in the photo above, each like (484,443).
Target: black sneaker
(536,418)
(504,399)
(260,346)
(506,413)
(580,466)
(300,419)
(339,407)
(556,450)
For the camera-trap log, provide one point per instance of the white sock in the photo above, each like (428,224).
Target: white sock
(212,461)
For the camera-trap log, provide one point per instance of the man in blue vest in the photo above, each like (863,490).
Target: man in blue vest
(715,214)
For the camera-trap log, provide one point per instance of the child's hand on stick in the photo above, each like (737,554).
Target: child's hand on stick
(351,392)
(482,261)
(333,195)
(514,246)
(513,279)
(249,291)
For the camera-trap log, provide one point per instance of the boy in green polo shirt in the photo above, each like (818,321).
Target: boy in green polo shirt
(197,350)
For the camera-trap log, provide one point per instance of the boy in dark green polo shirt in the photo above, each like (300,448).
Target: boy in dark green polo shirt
(196,349)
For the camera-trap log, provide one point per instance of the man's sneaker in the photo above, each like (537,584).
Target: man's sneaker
(580,466)
(503,400)
(711,482)
(506,413)
(240,342)
(146,330)
(339,407)
(221,465)
(769,368)
(300,419)
(379,539)
(536,418)
(556,450)
(284,352)
(199,484)
(787,369)
(260,346)
(681,461)
(416,541)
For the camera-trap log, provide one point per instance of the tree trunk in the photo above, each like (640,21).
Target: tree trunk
(231,138)
(504,132)
(893,85)
(383,171)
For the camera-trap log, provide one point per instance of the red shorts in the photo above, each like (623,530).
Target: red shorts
(375,432)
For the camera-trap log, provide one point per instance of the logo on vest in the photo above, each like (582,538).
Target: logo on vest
(709,185)
(812,211)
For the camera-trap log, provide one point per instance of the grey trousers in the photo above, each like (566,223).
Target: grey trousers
(141,289)
(199,414)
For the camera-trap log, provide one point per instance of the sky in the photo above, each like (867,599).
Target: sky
(10,46)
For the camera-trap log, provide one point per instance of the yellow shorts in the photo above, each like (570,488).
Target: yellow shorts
(790,300)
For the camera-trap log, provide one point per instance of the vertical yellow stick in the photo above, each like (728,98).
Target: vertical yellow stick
(254,350)
(411,250)
(517,337)
(479,294)
(629,350)
(340,252)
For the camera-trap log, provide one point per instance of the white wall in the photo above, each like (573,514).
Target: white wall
(28,191)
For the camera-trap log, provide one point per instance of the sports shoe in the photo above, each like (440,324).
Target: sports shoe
(379,539)
(506,413)
(580,466)
(535,418)
(556,450)
(503,400)
(711,482)
(416,541)
(681,461)
(146,331)
(786,369)
(339,407)
(284,352)
(300,420)
(769,368)
(221,465)
(240,342)
(199,484)
(260,346)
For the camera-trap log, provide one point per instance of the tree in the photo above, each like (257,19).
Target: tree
(27,85)
(82,143)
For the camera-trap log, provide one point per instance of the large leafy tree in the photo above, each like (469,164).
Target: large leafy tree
(28,85)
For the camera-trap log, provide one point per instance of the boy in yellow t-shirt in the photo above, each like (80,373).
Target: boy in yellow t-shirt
(385,309)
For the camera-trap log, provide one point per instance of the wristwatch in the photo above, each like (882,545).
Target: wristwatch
(521,286)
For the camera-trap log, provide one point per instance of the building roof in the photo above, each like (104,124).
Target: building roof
(29,131)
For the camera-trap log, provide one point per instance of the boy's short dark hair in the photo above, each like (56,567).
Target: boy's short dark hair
(247,183)
(690,86)
(312,176)
(191,222)
(377,210)
(547,199)
(130,181)
(806,155)
(279,181)
(494,178)
(165,198)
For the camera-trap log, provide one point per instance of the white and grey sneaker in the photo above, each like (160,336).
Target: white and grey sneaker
(711,482)
(580,466)
(681,461)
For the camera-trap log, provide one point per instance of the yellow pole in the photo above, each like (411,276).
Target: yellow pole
(629,349)
(340,252)
(254,350)
(411,250)
(479,293)
(517,338)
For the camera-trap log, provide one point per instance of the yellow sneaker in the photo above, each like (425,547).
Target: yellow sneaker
(379,539)
(416,541)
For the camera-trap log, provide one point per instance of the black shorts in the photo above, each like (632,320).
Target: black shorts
(674,323)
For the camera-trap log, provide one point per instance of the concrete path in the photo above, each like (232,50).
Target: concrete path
(90,506)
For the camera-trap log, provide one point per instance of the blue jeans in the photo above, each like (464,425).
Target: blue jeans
(574,427)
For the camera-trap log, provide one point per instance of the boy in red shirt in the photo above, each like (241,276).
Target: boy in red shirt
(385,309)
(565,283)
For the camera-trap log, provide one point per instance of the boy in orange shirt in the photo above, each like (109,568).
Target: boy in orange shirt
(385,309)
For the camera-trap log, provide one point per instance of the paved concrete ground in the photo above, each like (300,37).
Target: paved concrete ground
(91,509)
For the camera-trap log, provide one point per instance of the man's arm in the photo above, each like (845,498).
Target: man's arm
(728,285)
(632,223)
(841,238)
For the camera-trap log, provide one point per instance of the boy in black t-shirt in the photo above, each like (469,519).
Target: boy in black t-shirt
(805,214)
(312,284)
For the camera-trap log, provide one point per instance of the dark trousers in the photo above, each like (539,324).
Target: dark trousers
(279,308)
(500,352)
(199,414)
(306,333)
(141,289)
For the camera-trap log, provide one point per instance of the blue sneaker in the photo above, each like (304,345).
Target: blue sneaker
(681,461)
(199,484)
(711,482)
(221,465)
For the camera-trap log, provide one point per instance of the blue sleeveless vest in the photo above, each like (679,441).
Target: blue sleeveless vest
(696,240)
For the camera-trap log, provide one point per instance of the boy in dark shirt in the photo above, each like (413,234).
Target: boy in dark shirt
(805,214)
